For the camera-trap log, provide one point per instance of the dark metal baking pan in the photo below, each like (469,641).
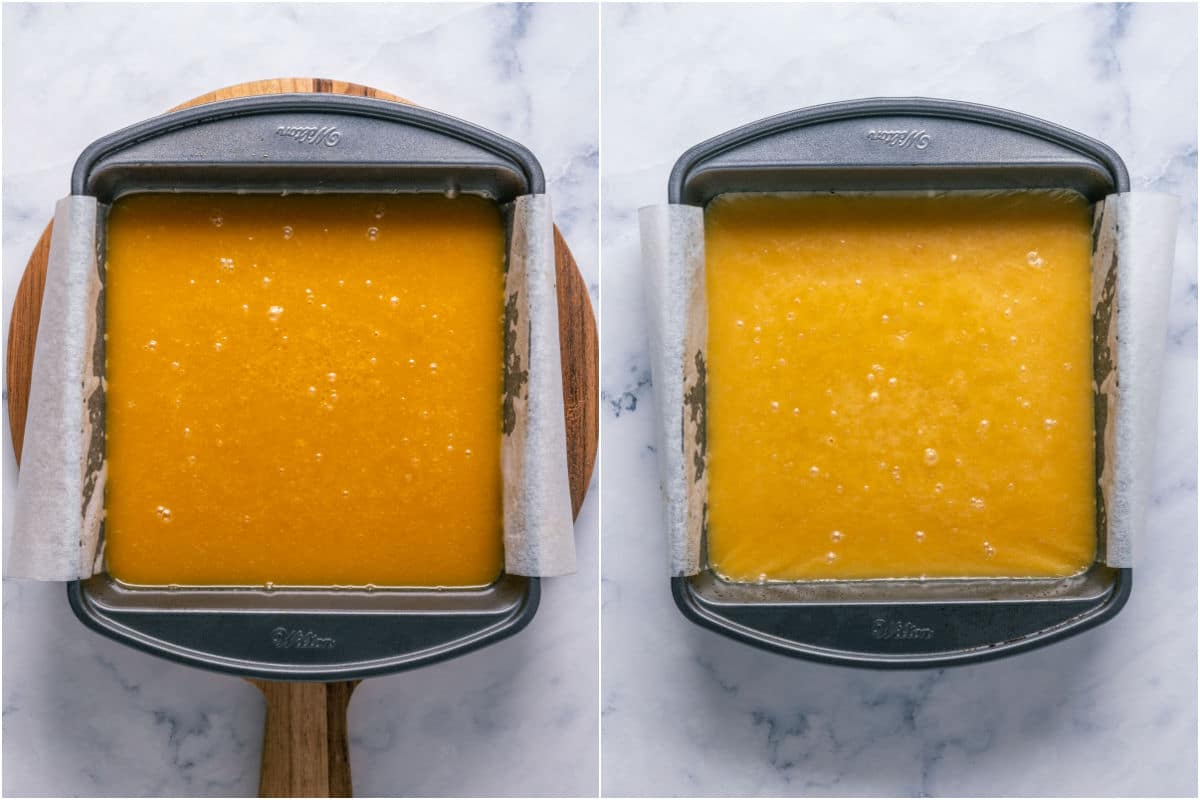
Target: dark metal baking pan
(889,145)
(304,144)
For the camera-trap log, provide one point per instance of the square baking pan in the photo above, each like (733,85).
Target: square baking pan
(913,144)
(303,144)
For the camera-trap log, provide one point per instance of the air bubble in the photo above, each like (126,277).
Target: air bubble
(373,233)
(931,456)
(1049,423)
(152,345)
(988,550)
(774,405)
(920,536)
(835,536)
(287,231)
(266,281)
(164,513)
(814,470)
(395,301)
(830,557)
(740,324)
(274,313)
(1034,259)
(977,503)
(217,220)
(873,397)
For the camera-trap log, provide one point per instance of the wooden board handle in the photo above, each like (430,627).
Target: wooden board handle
(305,749)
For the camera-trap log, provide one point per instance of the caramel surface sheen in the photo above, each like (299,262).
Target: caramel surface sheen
(899,386)
(304,390)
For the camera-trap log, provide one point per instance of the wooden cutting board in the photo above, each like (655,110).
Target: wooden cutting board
(305,752)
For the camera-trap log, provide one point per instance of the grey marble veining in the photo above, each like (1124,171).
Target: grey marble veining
(684,711)
(83,715)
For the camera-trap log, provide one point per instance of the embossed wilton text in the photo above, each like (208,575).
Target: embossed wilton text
(327,135)
(917,139)
(285,639)
(897,629)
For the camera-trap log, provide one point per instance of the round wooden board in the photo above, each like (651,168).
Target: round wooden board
(576,322)
(305,750)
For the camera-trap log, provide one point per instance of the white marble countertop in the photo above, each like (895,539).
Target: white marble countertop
(83,715)
(684,711)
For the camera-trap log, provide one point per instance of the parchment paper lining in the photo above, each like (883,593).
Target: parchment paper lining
(60,492)
(673,257)
(538,528)
(1133,255)
(60,488)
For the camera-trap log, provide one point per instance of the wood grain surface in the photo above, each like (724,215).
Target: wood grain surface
(305,745)
(305,750)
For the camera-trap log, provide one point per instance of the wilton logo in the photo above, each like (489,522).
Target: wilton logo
(327,135)
(917,139)
(284,639)
(882,629)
